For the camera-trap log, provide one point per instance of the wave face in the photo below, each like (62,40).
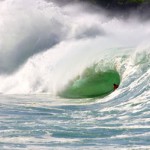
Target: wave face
(44,48)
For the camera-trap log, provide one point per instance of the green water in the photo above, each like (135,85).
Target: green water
(91,84)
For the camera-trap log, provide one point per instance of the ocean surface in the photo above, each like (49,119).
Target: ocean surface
(58,65)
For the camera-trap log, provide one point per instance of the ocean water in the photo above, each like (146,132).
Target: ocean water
(55,62)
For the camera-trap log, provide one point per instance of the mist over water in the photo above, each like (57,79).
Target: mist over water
(45,46)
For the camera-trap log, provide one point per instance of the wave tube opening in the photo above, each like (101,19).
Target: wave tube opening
(91,84)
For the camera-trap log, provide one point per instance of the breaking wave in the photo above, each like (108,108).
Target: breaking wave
(44,48)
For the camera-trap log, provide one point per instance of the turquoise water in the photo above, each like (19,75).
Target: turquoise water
(58,65)
(92,84)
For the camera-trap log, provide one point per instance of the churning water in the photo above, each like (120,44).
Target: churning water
(50,54)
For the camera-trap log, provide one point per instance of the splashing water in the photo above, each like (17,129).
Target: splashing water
(44,48)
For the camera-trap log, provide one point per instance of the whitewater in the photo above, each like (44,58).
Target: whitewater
(46,49)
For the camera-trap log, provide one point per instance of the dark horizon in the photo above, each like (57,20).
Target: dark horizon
(140,8)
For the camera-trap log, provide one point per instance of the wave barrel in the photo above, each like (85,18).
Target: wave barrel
(93,84)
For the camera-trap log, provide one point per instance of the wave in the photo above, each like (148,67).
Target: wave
(45,48)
